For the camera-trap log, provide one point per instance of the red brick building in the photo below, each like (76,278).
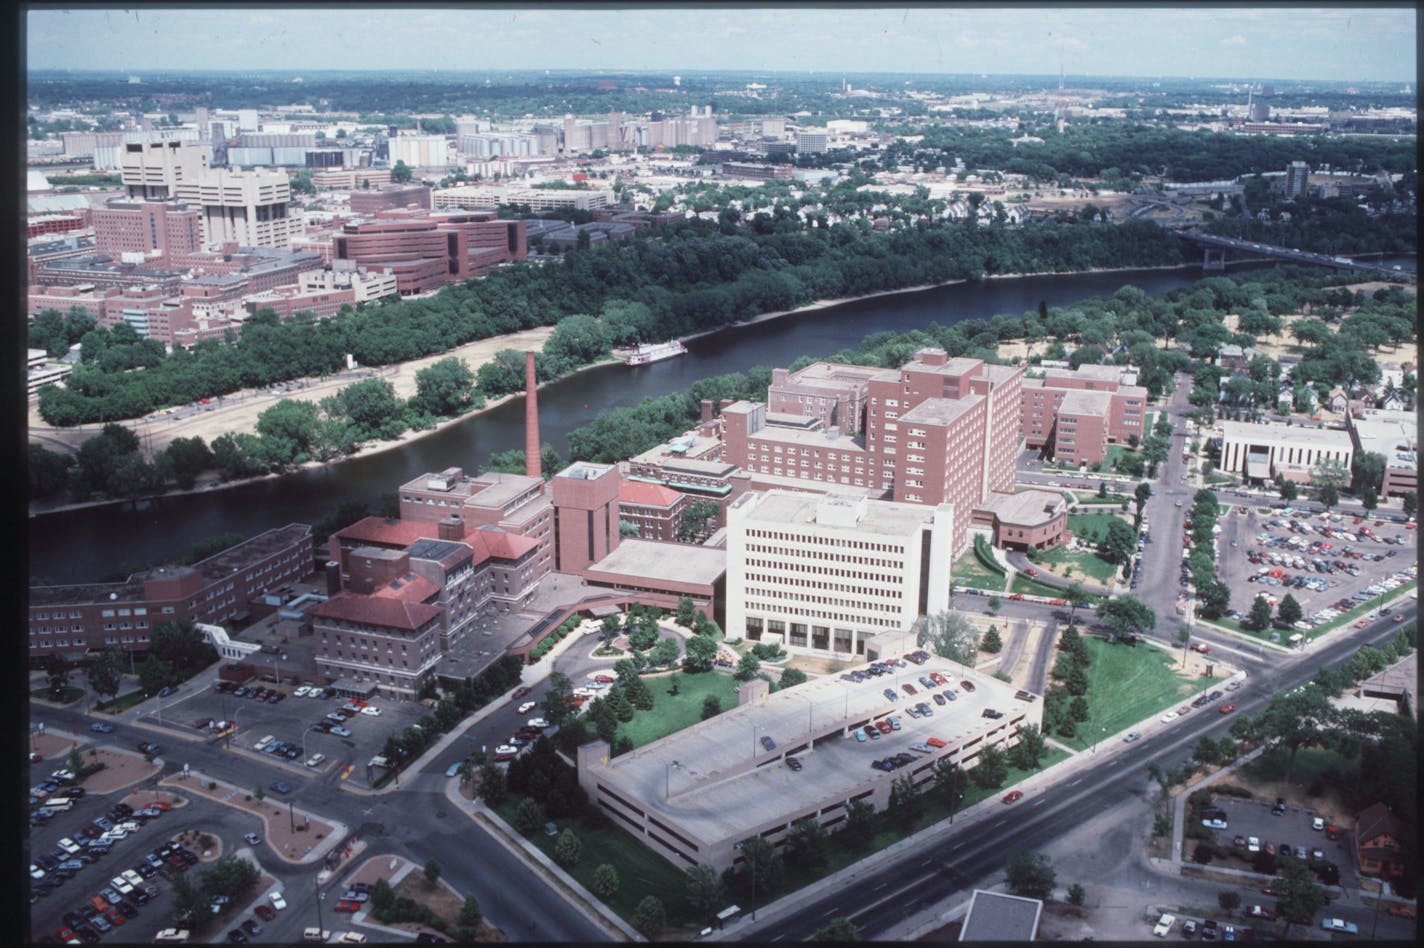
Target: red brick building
(1075,415)
(426,251)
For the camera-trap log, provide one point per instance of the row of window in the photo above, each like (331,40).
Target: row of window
(819,556)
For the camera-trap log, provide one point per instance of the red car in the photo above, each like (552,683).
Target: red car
(1013,796)
(521,691)
(604,679)
(265,912)
(935,742)
(1227,708)
(1402,911)
(1198,647)
(346,905)
(909,689)
(967,685)
(1017,597)
(1031,571)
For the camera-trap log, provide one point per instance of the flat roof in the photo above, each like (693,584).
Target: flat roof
(940,411)
(1085,401)
(1392,435)
(997,916)
(716,780)
(684,562)
(884,517)
(802,436)
(1026,507)
(1297,435)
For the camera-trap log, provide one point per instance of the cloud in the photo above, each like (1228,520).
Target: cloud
(1237,40)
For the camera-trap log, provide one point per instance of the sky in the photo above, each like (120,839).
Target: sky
(1339,42)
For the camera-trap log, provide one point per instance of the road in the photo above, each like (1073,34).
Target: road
(944,865)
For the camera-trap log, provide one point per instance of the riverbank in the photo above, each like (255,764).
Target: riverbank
(239,412)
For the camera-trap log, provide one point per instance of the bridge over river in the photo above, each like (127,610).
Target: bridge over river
(1214,250)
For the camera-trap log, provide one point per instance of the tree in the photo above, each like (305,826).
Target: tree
(665,652)
(1140,495)
(991,642)
(1288,489)
(567,849)
(1213,597)
(649,917)
(57,670)
(446,387)
(104,671)
(470,913)
(432,871)
(1296,719)
(556,707)
(839,928)
(705,891)
(700,652)
(619,704)
(747,667)
(1288,611)
(528,816)
(180,644)
(1260,616)
(806,843)
(686,611)
(1030,749)
(605,881)
(400,173)
(1126,616)
(1030,875)
(950,782)
(950,635)
(1411,503)
(190,903)
(1299,897)
(905,805)
(1207,750)
(230,876)
(992,769)
(1328,495)
(1077,895)
(1118,541)
(790,678)
(860,824)
(640,696)
(492,784)
(1075,595)
(761,863)
(711,707)
(187,458)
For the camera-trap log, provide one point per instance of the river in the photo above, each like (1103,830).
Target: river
(82,545)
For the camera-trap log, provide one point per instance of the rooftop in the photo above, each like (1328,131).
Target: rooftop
(940,411)
(1025,507)
(1079,401)
(683,562)
(840,510)
(996,916)
(1299,435)
(1391,434)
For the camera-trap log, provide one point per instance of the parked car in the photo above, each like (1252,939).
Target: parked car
(1164,925)
(101,727)
(1013,796)
(1339,925)
(280,788)
(1130,736)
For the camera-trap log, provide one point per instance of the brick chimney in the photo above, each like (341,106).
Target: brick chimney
(531,419)
(451,528)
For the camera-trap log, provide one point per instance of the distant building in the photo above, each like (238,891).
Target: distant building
(152,229)
(1297,180)
(1394,436)
(74,620)
(390,197)
(427,250)
(1075,414)
(812,141)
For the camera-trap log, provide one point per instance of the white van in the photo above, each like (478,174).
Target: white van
(263,743)
(315,935)
(59,804)
(171,935)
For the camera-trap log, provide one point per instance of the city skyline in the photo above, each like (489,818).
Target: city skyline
(1350,44)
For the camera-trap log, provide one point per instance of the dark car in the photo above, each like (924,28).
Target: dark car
(768,743)
(280,787)
(237,936)
(991,713)
(938,699)
(126,909)
(139,895)
(890,695)
(967,685)
(251,927)
(794,764)
(1279,807)
(148,747)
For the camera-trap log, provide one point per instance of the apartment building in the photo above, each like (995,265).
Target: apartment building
(825,574)
(155,231)
(654,510)
(1103,408)
(833,394)
(586,514)
(73,620)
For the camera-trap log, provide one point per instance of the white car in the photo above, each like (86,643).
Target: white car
(317,693)
(1253,844)
(1339,925)
(340,731)
(1317,824)
(133,877)
(264,742)
(315,760)
(506,749)
(121,885)
(375,713)
(275,897)
(537,722)
(1169,717)
(526,707)
(1164,925)
(118,832)
(302,692)
(69,845)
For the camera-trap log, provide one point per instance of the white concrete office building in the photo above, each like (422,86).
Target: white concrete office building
(823,574)
(1260,452)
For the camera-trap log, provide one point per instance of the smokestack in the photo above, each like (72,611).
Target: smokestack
(531,419)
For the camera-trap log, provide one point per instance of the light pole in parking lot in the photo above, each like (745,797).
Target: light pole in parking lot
(667,777)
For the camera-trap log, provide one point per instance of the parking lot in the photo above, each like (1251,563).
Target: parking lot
(1328,563)
(293,730)
(1294,827)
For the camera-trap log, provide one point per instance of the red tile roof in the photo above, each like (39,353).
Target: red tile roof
(389,611)
(501,545)
(646,494)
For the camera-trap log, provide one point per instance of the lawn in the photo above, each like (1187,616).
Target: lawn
(1091,527)
(1129,684)
(968,571)
(70,695)
(1091,497)
(1359,611)
(674,712)
(1084,565)
(122,702)
(641,872)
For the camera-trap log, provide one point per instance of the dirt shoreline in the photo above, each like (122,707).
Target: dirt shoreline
(402,378)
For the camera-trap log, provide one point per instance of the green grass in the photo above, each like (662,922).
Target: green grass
(1085,565)
(1127,685)
(1092,527)
(122,702)
(674,712)
(1310,763)
(70,695)
(968,571)
(1364,608)
(1091,497)
(641,872)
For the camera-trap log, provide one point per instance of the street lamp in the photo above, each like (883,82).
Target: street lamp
(751,870)
(667,777)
